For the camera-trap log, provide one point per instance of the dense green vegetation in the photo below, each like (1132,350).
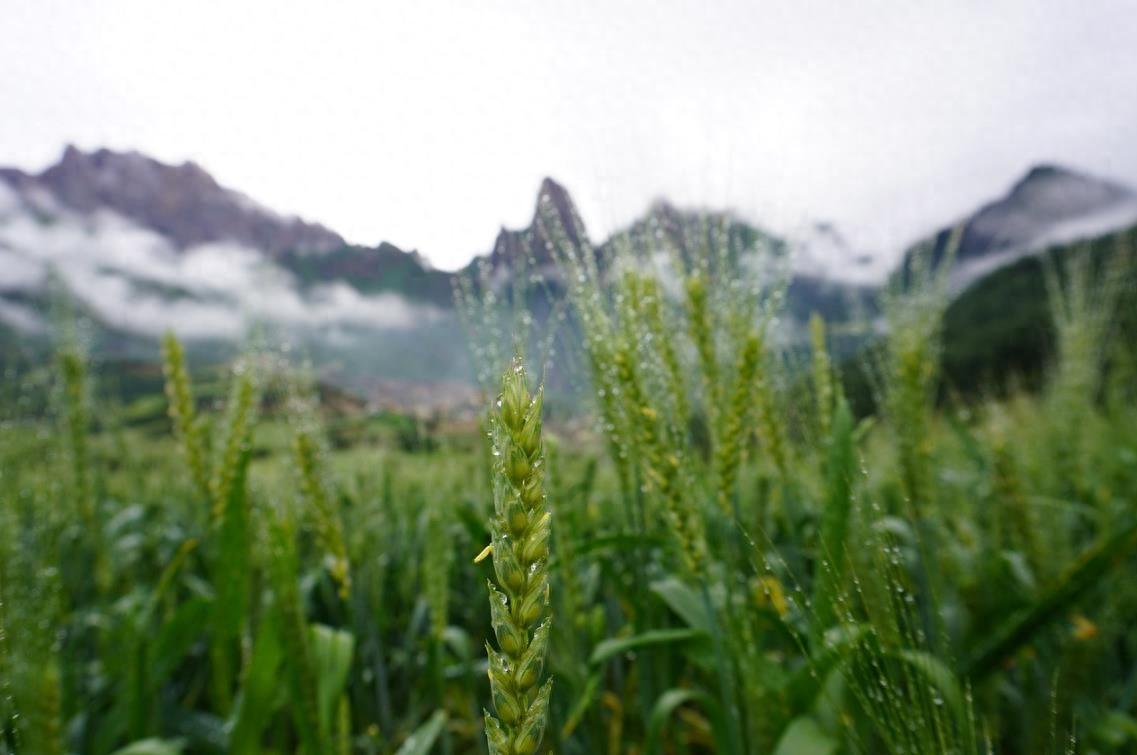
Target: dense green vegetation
(729,561)
(384,268)
(1000,328)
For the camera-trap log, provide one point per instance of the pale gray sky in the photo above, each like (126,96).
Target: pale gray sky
(429,124)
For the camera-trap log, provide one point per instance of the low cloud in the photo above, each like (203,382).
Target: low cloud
(133,279)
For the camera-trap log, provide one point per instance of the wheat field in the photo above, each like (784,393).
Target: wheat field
(719,553)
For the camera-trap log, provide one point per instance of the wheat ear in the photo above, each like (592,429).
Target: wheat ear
(520,530)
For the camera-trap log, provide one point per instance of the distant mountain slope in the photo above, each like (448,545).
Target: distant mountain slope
(1001,325)
(812,284)
(181,203)
(133,277)
(1049,205)
(145,246)
(142,247)
(529,246)
(374,270)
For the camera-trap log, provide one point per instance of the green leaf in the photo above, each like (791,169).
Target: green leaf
(805,737)
(168,574)
(839,643)
(668,703)
(259,689)
(1010,637)
(580,707)
(230,585)
(424,737)
(970,445)
(939,676)
(684,601)
(176,637)
(458,640)
(331,654)
(830,705)
(615,646)
(1019,567)
(840,471)
(231,578)
(1116,729)
(619,542)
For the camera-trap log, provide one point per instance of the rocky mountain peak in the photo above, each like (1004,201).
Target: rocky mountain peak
(1050,204)
(530,245)
(182,202)
(1058,191)
(1045,197)
(554,191)
(554,200)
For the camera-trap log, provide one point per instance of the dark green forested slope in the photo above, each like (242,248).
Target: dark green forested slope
(1000,328)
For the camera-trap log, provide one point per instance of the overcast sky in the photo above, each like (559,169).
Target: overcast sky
(430,124)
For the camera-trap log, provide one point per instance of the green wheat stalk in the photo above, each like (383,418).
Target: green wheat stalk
(328,526)
(822,373)
(520,530)
(182,413)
